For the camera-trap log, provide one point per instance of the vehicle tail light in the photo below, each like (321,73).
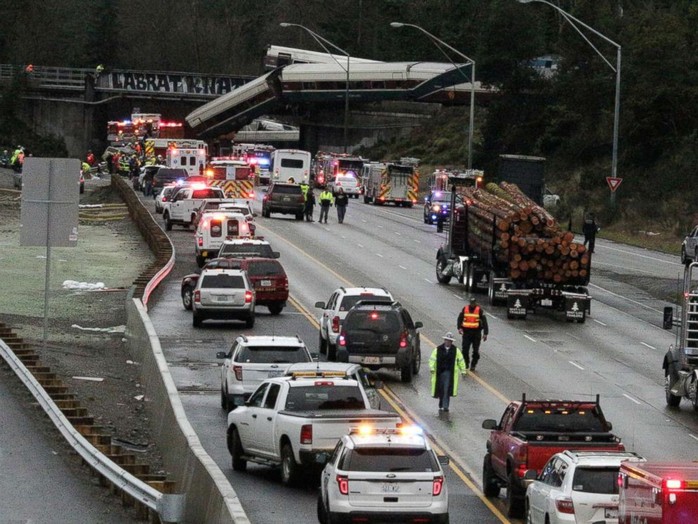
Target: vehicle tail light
(197,296)
(403,340)
(335,324)
(307,434)
(674,484)
(248,297)
(343,484)
(565,505)
(238,372)
(521,470)
(164,199)
(200,241)
(284,284)
(342,339)
(437,486)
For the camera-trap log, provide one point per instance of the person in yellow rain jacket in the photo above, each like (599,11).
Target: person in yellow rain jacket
(445,362)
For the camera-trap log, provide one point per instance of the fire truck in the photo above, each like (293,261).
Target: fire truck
(258,156)
(396,183)
(140,125)
(658,493)
(680,363)
(234,176)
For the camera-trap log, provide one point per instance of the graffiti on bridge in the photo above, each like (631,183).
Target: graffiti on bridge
(170,83)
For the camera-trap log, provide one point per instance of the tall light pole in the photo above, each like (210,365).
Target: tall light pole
(616,116)
(322,41)
(438,41)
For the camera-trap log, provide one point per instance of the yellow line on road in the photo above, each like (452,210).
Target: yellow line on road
(458,468)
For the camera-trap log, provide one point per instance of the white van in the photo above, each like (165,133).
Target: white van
(290,165)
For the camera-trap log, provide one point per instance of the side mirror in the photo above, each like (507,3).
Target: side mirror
(275,254)
(609,425)
(443,460)
(320,305)
(531,474)
(221,354)
(490,423)
(418,325)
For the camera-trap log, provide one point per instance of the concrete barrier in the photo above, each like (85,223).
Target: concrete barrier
(209,496)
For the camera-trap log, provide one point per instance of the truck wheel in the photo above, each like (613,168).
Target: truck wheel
(321,511)
(514,501)
(249,322)
(322,345)
(289,468)
(225,405)
(239,463)
(406,373)
(440,277)
(684,259)
(275,309)
(671,399)
(186,298)
(490,485)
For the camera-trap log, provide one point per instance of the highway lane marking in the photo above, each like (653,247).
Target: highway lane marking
(379,227)
(398,234)
(418,241)
(625,298)
(379,255)
(460,469)
(363,220)
(303,311)
(631,398)
(643,256)
(457,296)
(693,436)
(530,338)
(360,245)
(428,280)
(647,345)
(597,264)
(599,322)
(402,267)
(575,364)
(574,336)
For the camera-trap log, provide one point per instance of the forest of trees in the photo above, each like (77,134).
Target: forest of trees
(568,119)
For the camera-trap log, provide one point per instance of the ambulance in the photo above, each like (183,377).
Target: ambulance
(658,493)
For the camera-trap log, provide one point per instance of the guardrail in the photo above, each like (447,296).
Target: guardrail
(168,506)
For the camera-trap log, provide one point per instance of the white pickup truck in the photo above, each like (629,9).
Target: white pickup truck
(296,423)
(182,207)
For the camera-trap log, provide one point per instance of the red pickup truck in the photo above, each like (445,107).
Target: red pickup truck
(532,431)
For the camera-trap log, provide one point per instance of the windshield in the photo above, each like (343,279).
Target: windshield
(389,459)
(247,250)
(313,398)
(545,419)
(441,196)
(223,280)
(272,355)
(350,301)
(291,190)
(266,268)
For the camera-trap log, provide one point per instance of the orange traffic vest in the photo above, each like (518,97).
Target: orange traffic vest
(471,319)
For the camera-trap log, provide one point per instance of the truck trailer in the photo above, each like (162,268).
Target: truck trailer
(502,243)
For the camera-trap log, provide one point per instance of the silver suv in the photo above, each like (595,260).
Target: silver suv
(383,474)
(335,310)
(253,359)
(223,294)
(689,247)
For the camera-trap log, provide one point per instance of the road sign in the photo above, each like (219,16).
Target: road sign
(613,182)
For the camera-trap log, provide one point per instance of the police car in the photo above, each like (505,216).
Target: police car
(383,474)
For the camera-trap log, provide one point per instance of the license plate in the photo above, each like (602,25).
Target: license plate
(286,199)
(371,360)
(224,298)
(275,373)
(546,302)
(265,283)
(391,487)
(611,513)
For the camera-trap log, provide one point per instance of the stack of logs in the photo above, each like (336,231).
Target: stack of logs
(526,237)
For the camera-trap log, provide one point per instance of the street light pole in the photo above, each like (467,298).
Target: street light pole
(322,41)
(616,111)
(438,41)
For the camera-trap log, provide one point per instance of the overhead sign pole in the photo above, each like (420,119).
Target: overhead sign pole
(49,215)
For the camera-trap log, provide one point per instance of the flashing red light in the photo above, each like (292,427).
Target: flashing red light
(307,434)
(343,484)
(438,486)
(674,484)
(341,340)
(373,315)
(238,372)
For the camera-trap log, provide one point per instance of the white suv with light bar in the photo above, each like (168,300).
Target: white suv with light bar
(336,309)
(383,474)
(214,228)
(252,360)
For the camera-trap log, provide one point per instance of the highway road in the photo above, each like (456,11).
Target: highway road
(617,353)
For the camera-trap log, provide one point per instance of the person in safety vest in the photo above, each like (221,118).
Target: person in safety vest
(472,324)
(304,190)
(326,200)
(445,362)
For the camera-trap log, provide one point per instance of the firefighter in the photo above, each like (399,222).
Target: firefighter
(326,200)
(444,363)
(472,324)
(309,205)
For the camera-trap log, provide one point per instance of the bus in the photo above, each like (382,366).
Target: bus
(290,165)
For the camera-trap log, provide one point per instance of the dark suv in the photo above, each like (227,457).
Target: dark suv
(168,175)
(284,198)
(377,335)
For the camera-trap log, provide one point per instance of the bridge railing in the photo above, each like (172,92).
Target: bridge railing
(47,77)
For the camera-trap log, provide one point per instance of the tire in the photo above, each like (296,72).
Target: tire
(289,467)
(322,344)
(196,320)
(275,309)
(694,399)
(671,400)
(417,362)
(440,265)
(529,516)
(514,500)
(406,373)
(490,485)
(168,222)
(187,294)
(299,216)
(331,352)
(249,322)
(321,511)
(158,209)
(200,261)
(239,463)
(224,400)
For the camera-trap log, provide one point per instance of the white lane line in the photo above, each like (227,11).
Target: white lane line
(363,220)
(599,322)
(344,236)
(418,241)
(634,254)
(403,267)
(428,280)
(398,234)
(491,315)
(625,298)
(647,345)
(379,255)
(693,436)
(380,227)
(457,296)
(530,338)
(575,364)
(574,336)
(360,245)
(631,398)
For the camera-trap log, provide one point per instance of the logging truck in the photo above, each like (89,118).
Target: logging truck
(502,243)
